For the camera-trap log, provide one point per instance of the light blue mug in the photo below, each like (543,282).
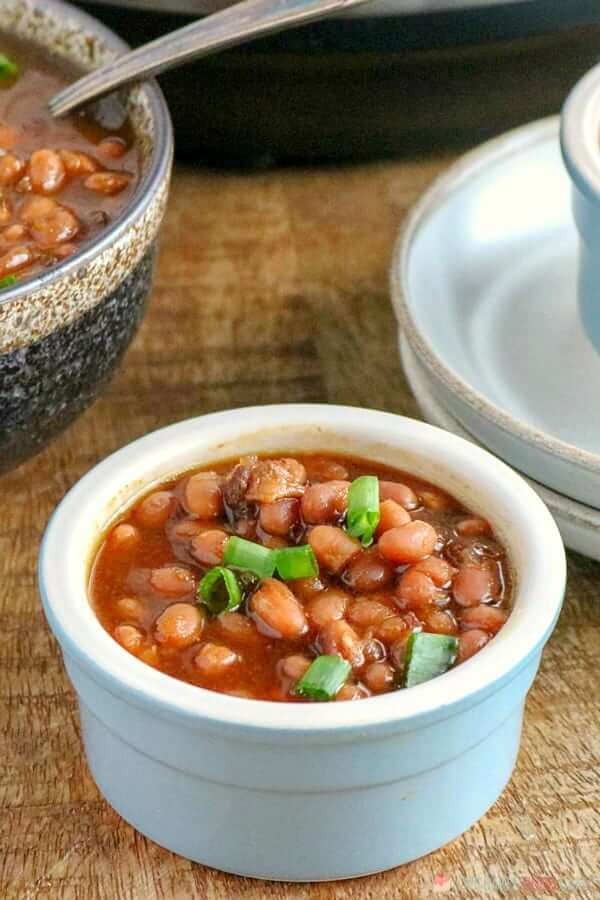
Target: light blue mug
(580,144)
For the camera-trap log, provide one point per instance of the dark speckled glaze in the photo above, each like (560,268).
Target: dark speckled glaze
(63,332)
(45,385)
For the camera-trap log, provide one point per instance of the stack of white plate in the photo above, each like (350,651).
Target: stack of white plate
(484,287)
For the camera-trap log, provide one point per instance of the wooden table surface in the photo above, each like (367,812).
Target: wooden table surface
(271,287)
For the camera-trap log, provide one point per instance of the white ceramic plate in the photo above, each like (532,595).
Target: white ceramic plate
(579,525)
(483,284)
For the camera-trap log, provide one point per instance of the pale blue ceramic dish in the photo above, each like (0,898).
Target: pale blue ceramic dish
(282,790)
(484,286)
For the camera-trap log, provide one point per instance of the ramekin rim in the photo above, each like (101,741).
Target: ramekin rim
(142,685)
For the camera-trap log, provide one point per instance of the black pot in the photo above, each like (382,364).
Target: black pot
(357,89)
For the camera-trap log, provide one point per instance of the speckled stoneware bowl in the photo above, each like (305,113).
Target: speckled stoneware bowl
(63,332)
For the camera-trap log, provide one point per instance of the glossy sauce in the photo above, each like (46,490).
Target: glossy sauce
(37,160)
(364,611)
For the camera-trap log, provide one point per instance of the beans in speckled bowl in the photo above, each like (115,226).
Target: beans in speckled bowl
(79,218)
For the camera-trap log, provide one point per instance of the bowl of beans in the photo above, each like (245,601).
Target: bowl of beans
(291,628)
(81,201)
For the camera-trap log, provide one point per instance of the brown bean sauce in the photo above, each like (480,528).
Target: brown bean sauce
(434,567)
(62,181)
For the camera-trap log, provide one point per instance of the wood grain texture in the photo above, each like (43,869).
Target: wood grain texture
(271,287)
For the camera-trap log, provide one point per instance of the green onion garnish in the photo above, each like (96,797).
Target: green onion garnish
(296,562)
(7,281)
(362,517)
(245,554)
(428,655)
(323,679)
(8,68)
(219,590)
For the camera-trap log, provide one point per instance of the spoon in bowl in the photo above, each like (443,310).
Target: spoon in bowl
(233,25)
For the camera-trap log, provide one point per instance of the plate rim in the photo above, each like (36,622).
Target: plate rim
(575,511)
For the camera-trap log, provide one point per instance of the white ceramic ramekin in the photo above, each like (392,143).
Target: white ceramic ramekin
(580,143)
(290,791)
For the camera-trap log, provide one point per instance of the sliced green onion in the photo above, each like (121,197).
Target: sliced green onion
(219,590)
(8,68)
(245,554)
(296,562)
(7,281)
(362,517)
(427,656)
(323,679)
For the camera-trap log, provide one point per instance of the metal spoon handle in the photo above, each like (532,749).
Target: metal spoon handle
(234,25)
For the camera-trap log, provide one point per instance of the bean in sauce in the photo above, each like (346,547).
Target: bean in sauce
(433,568)
(62,181)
